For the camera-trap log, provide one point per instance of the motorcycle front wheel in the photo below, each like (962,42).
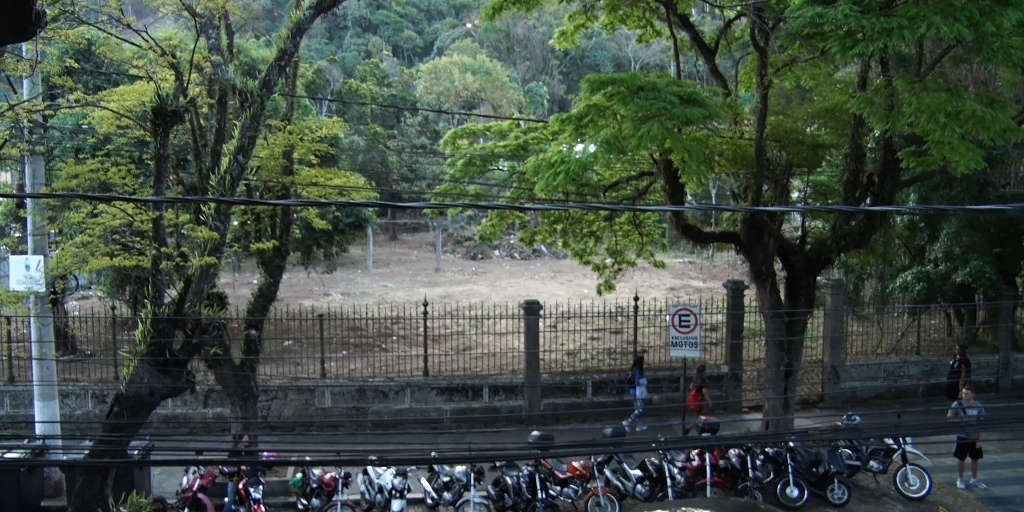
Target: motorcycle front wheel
(791,494)
(473,506)
(749,492)
(912,481)
(337,506)
(603,503)
(838,494)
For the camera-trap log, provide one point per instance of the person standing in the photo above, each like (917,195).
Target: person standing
(638,389)
(698,399)
(970,413)
(959,374)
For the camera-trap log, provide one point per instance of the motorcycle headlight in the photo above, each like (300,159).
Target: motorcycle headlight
(399,483)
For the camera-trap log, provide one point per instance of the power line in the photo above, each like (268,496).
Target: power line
(417,109)
(1004,208)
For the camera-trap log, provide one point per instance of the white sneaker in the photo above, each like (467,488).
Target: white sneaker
(960,483)
(641,427)
(977,483)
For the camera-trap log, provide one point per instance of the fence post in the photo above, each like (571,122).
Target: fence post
(636,325)
(426,366)
(531,353)
(10,350)
(113,342)
(833,357)
(735,311)
(1004,335)
(323,346)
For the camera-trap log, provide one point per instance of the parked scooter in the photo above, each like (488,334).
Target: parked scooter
(809,470)
(875,456)
(453,486)
(384,488)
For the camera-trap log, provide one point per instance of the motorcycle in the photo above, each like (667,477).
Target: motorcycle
(702,473)
(876,456)
(191,493)
(318,490)
(506,491)
(384,488)
(248,490)
(809,470)
(537,488)
(742,474)
(642,481)
(571,482)
(453,486)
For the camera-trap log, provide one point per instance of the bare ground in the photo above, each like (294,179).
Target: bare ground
(407,271)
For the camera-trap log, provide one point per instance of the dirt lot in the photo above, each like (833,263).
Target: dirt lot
(406,270)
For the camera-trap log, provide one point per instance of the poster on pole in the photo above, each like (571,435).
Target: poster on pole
(26,273)
(684,331)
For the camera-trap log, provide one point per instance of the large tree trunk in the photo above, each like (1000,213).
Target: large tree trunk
(159,375)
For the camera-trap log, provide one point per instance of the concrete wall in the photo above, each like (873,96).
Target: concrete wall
(426,403)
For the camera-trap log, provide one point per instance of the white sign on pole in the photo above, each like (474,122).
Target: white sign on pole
(684,331)
(27,273)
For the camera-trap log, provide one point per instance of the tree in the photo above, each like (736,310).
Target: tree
(846,102)
(465,79)
(204,105)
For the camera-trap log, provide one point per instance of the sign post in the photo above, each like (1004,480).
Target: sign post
(684,329)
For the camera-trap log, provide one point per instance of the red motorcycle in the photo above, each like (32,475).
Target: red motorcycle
(191,495)
(578,481)
(318,490)
(248,490)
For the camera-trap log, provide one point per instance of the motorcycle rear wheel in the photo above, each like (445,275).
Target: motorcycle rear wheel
(603,503)
(792,496)
(838,494)
(912,481)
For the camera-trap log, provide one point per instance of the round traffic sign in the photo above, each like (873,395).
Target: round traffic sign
(684,320)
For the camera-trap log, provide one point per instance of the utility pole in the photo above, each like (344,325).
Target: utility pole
(44,363)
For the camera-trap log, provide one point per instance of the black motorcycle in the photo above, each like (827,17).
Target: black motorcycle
(453,486)
(812,470)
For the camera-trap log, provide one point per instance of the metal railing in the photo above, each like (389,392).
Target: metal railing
(476,339)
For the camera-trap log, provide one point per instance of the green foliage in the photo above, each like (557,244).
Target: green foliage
(593,154)
(467,80)
(132,502)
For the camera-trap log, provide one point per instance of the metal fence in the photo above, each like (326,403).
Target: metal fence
(474,339)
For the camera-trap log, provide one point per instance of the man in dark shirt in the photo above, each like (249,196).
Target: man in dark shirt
(959,374)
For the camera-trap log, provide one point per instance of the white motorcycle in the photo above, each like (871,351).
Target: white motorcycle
(384,489)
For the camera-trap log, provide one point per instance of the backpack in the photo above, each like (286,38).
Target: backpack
(693,401)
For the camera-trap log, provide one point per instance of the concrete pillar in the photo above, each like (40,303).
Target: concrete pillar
(834,342)
(531,353)
(735,309)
